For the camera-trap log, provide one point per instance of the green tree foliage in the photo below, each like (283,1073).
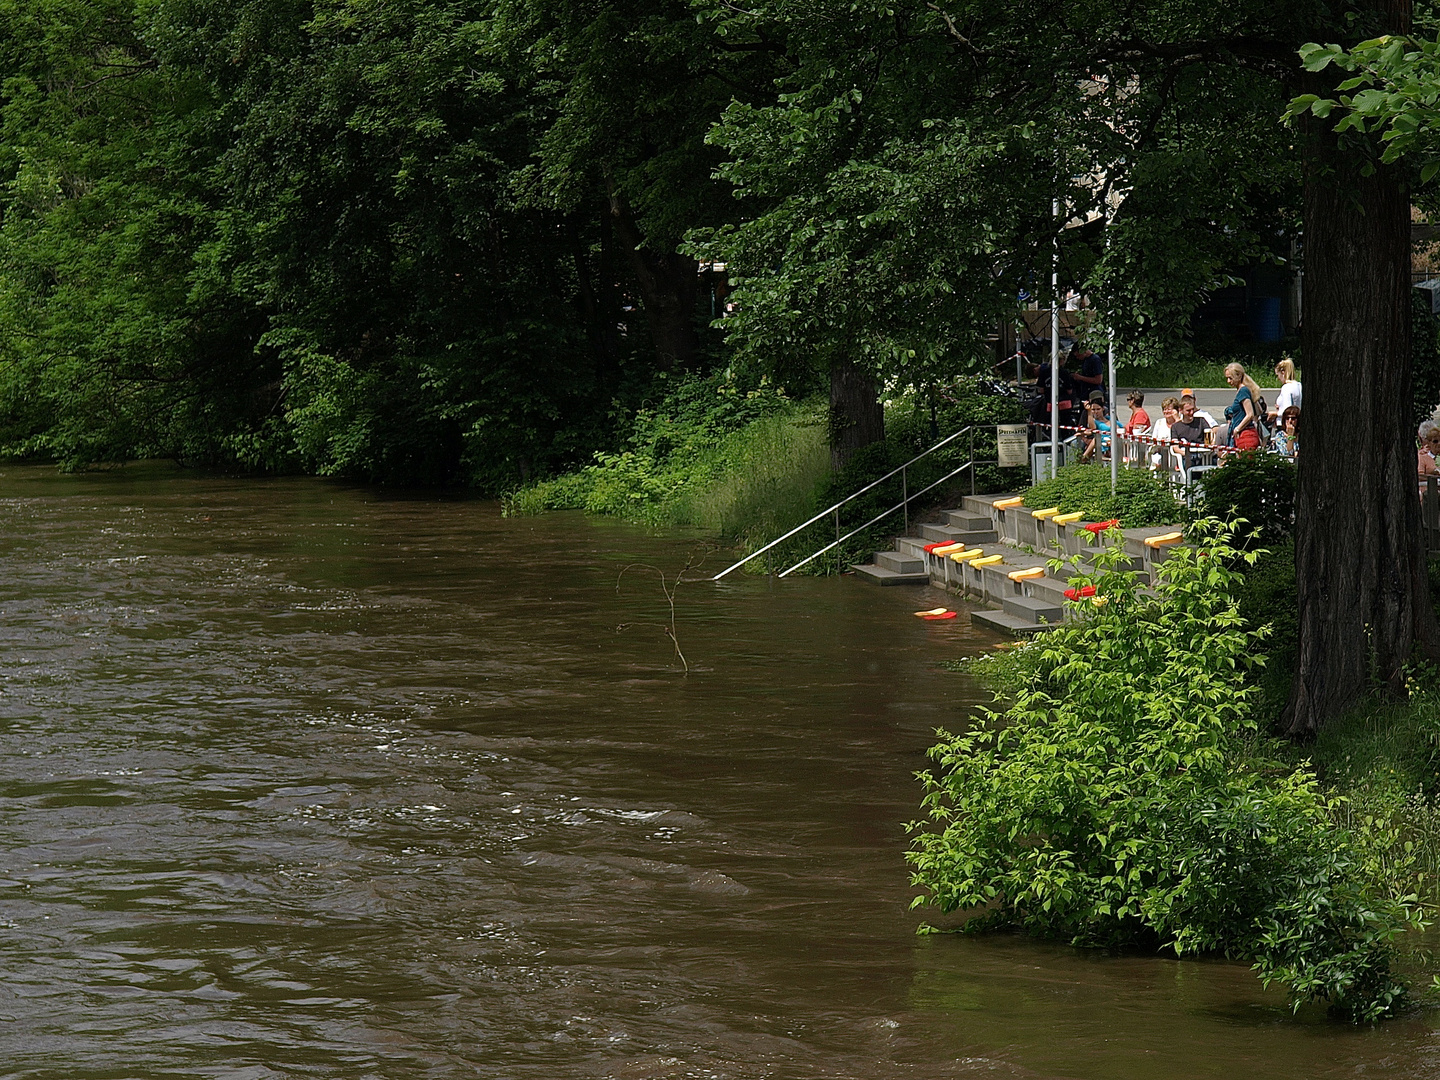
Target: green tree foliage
(1258,488)
(116,340)
(901,188)
(408,241)
(1123,797)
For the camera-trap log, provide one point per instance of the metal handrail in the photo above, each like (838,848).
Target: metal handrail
(854,532)
(833,509)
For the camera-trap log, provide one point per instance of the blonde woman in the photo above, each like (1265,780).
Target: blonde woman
(1243,413)
(1289,389)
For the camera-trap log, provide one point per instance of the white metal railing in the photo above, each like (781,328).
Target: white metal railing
(902,471)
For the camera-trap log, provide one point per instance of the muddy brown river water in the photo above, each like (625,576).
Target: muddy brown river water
(304,780)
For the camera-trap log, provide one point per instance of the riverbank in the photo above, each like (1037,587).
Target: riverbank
(747,467)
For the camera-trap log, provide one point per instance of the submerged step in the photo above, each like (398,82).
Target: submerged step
(1034,609)
(900,563)
(881,576)
(1006,623)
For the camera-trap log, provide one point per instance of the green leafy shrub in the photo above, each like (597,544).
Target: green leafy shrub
(1140,499)
(1424,357)
(1125,797)
(1270,598)
(739,463)
(1258,488)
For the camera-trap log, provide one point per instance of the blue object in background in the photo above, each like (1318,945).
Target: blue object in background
(1264,316)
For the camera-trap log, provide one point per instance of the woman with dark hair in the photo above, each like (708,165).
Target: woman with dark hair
(1287,439)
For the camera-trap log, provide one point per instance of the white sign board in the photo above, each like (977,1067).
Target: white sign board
(1012,446)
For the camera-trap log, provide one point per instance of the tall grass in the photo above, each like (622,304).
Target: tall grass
(1384,758)
(744,485)
(760,482)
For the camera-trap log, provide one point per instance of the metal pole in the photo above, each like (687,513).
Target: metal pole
(972,458)
(1114,414)
(905,492)
(1114,402)
(1055,344)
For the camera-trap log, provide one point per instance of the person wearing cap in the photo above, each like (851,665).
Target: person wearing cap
(1210,421)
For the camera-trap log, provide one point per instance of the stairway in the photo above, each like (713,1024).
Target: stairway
(1020,608)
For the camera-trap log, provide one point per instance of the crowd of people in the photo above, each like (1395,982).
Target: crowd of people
(1249,422)
(1184,433)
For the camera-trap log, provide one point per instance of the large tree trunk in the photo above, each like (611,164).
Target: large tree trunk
(669,288)
(857,419)
(1364,597)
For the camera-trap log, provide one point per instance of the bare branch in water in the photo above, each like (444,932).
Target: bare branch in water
(668,587)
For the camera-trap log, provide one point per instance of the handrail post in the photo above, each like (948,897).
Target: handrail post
(970,430)
(905,494)
(972,456)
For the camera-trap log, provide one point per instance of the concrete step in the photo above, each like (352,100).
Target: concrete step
(1047,589)
(899,563)
(969,521)
(1006,623)
(913,546)
(980,504)
(936,533)
(1034,610)
(880,576)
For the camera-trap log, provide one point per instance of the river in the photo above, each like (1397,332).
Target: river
(308,780)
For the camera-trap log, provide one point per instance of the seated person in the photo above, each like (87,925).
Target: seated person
(1192,424)
(1428,457)
(1097,429)
(1287,439)
(1139,422)
(1190,396)
(1169,414)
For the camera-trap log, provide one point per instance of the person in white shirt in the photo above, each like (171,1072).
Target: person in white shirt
(1169,413)
(1289,389)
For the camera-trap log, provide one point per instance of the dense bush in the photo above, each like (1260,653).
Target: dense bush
(1125,797)
(749,466)
(1139,499)
(1269,598)
(740,463)
(1258,488)
(1424,357)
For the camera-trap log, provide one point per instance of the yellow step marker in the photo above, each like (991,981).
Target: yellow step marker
(932,611)
(1067,519)
(1009,504)
(946,549)
(989,560)
(1163,539)
(970,553)
(1048,512)
(1026,575)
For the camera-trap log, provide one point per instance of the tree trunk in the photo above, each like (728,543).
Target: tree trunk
(857,419)
(1359,560)
(669,288)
